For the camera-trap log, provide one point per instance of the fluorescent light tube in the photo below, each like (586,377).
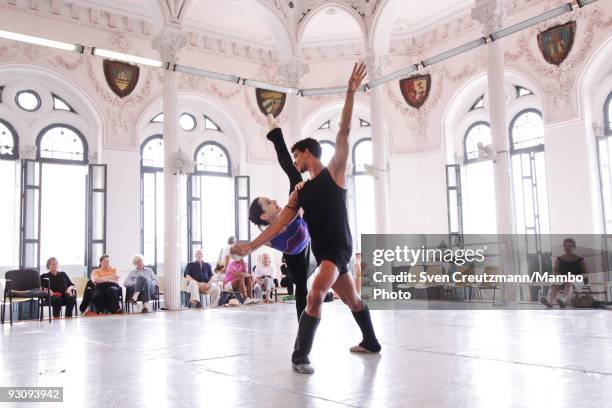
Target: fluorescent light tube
(328,91)
(41,41)
(455,51)
(394,75)
(207,74)
(582,3)
(119,56)
(531,21)
(271,87)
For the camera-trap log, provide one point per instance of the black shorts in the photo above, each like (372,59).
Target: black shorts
(338,256)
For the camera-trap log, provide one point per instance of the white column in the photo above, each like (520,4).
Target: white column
(490,14)
(380,145)
(169,43)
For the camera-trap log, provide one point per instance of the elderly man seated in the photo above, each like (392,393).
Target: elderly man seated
(197,279)
(263,277)
(142,282)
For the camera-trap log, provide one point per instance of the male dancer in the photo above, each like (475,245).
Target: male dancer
(323,198)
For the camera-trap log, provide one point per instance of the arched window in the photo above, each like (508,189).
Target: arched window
(212,201)
(152,202)
(529,177)
(363,195)
(212,158)
(604,150)
(478,188)
(9,145)
(527,131)
(327,151)
(61,143)
(63,151)
(477,138)
(325,125)
(9,204)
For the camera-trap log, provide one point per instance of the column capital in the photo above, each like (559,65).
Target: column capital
(376,63)
(489,13)
(169,44)
(291,71)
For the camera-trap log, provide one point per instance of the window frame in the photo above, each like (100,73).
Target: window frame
(149,169)
(54,97)
(476,102)
(357,143)
(212,173)
(607,117)
(513,150)
(33,92)
(467,160)
(62,161)
(15,154)
(195,122)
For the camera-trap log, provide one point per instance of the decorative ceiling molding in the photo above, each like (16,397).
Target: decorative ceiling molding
(405,41)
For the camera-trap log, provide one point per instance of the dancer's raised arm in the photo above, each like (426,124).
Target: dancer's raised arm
(337,165)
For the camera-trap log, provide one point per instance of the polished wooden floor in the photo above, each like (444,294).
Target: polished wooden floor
(240,358)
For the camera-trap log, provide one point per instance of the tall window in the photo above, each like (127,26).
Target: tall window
(529,184)
(63,151)
(363,194)
(152,201)
(212,200)
(478,192)
(604,147)
(9,203)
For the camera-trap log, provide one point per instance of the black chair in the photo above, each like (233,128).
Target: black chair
(24,285)
(129,293)
(92,305)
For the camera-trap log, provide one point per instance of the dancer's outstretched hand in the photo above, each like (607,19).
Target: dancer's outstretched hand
(272,123)
(357,76)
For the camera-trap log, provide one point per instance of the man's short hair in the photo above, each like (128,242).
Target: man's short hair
(313,146)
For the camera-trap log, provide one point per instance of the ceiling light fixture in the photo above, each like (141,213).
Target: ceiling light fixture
(9,35)
(271,87)
(133,59)
(207,74)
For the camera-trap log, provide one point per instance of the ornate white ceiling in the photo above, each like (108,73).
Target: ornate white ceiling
(326,29)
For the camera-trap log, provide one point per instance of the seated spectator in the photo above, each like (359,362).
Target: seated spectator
(286,281)
(62,288)
(237,279)
(106,287)
(218,275)
(567,264)
(263,278)
(198,274)
(142,282)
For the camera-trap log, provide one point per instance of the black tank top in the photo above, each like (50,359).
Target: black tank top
(569,267)
(324,204)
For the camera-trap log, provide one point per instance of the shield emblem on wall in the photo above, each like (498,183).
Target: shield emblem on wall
(415,89)
(270,101)
(556,43)
(121,77)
